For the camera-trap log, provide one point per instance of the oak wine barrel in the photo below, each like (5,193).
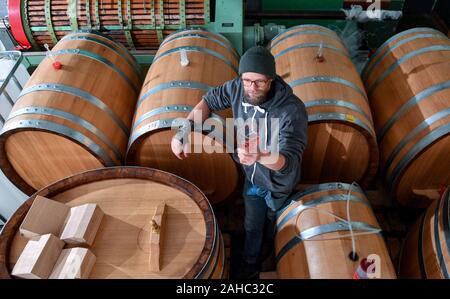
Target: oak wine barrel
(71,119)
(192,246)
(408,83)
(313,238)
(426,250)
(341,140)
(170,92)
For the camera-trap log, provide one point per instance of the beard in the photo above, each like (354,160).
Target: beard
(256,98)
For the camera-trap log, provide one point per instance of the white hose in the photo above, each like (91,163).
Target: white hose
(348,221)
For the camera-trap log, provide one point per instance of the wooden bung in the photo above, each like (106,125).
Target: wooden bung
(157,237)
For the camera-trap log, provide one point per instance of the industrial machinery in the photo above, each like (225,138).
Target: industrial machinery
(142,25)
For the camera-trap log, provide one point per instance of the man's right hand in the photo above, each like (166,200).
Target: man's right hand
(178,149)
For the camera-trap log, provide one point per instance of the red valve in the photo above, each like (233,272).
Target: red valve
(57,65)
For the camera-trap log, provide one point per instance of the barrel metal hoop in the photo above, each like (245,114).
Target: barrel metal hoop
(124,49)
(446,216)
(311,45)
(62,130)
(170,85)
(395,65)
(101,59)
(328,187)
(314,32)
(411,135)
(163,124)
(321,200)
(48,21)
(348,118)
(72,11)
(200,274)
(321,79)
(168,40)
(199,50)
(414,151)
(182,13)
(202,29)
(222,272)
(395,37)
(302,26)
(338,103)
(100,42)
(170,109)
(325,229)
(72,118)
(213,263)
(437,239)
(423,271)
(424,94)
(319,188)
(377,61)
(80,94)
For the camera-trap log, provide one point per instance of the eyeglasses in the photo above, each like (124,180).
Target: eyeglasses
(258,83)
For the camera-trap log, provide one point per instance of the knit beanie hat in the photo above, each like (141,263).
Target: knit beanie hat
(258,60)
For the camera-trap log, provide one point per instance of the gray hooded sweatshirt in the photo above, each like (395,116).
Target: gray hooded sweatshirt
(281,103)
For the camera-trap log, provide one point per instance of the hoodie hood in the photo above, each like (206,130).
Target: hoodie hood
(279,92)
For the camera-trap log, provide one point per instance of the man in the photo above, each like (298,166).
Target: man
(271,173)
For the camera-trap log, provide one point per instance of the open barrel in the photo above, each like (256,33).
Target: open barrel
(129,196)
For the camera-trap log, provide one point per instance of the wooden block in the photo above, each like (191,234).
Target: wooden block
(268,275)
(82,224)
(38,257)
(74,263)
(45,216)
(156,238)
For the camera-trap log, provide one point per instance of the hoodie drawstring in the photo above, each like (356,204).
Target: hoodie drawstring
(265,131)
(261,110)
